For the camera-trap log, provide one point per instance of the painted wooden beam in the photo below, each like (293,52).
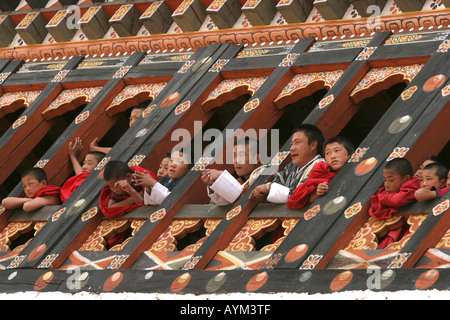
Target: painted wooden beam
(157,18)
(94,22)
(259,13)
(368,8)
(294,11)
(332,9)
(7,29)
(190,15)
(331,207)
(224,13)
(32,28)
(410,5)
(126,20)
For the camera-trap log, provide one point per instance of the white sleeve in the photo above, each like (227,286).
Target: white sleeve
(157,195)
(216,198)
(227,187)
(278,193)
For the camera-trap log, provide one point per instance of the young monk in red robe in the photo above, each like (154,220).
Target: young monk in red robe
(91,160)
(398,191)
(337,152)
(433,182)
(38,193)
(120,194)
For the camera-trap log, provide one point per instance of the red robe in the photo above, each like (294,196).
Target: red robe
(72,184)
(320,173)
(49,191)
(384,205)
(116,212)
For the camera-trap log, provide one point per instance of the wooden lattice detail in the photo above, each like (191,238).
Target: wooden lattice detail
(230,89)
(105,231)
(288,225)
(444,243)
(209,225)
(27,97)
(367,237)
(14,230)
(177,230)
(377,76)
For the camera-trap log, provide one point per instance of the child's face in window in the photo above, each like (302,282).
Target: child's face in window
(393,181)
(178,165)
(89,163)
(163,168)
(429,179)
(31,185)
(336,155)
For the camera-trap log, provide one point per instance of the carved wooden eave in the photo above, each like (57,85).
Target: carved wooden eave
(245,36)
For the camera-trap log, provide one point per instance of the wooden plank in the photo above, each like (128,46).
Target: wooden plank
(381,143)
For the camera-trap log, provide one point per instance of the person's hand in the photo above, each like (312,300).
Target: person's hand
(143,179)
(75,147)
(93,145)
(206,177)
(124,185)
(322,188)
(260,193)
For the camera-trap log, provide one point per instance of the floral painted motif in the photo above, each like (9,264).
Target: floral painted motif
(122,72)
(186,66)
(312,261)
(399,152)
(366,53)
(279,158)
(47,262)
(201,164)
(191,263)
(158,215)
(147,110)
(136,160)
(399,260)
(444,46)
(4,76)
(358,154)
(41,163)
(117,262)
(60,76)
(408,93)
(311,213)
(81,117)
(326,101)
(441,207)
(218,65)
(289,60)
(19,122)
(233,213)
(89,214)
(272,261)
(102,163)
(445,91)
(57,214)
(251,105)
(353,210)
(16,262)
(182,107)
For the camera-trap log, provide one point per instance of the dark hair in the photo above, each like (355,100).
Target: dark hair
(313,133)
(343,141)
(116,169)
(401,166)
(98,155)
(439,169)
(37,173)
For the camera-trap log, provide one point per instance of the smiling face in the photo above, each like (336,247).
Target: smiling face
(430,179)
(393,181)
(178,165)
(244,160)
(31,185)
(301,150)
(336,155)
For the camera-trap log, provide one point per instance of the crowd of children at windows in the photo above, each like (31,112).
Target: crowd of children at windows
(302,181)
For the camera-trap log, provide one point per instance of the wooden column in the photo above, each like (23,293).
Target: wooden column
(306,238)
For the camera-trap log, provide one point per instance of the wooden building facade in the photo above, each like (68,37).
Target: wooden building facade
(381,81)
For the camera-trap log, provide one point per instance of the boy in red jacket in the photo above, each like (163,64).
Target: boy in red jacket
(38,193)
(337,151)
(398,191)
